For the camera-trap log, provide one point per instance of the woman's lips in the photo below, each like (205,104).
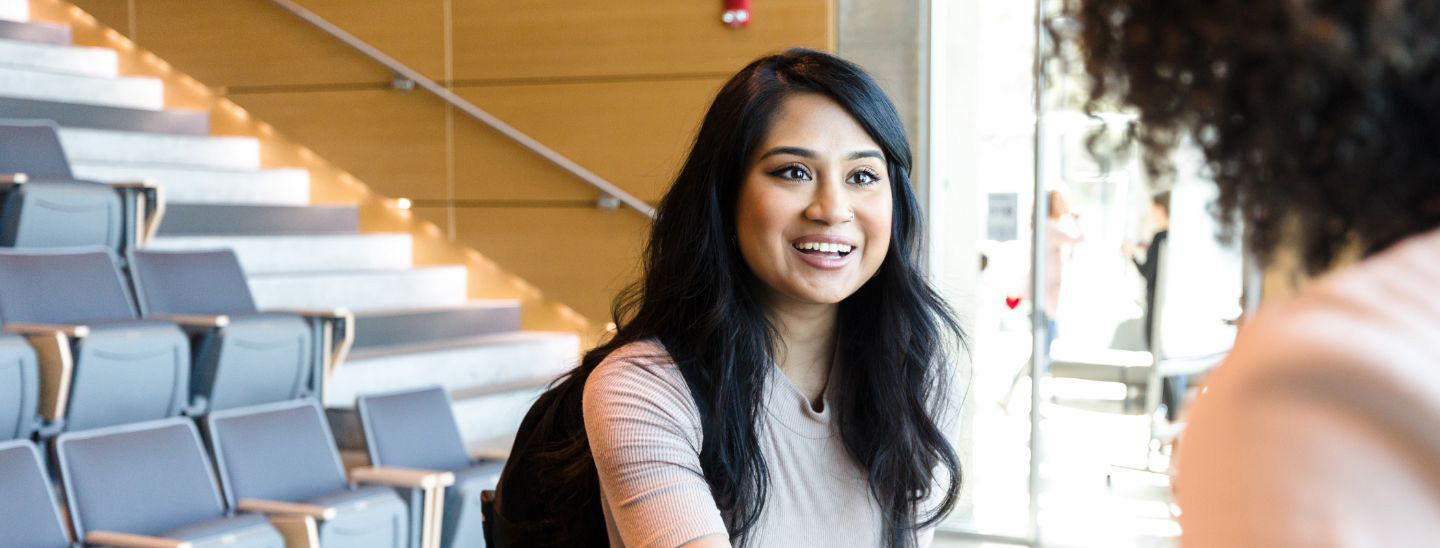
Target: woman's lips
(826,262)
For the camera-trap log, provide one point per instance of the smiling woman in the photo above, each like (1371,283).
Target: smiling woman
(781,375)
(814,196)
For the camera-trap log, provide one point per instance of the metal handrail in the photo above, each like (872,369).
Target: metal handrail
(606,187)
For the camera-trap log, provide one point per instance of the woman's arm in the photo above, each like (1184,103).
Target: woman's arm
(644,434)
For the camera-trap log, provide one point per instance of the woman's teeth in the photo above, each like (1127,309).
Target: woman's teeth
(824,247)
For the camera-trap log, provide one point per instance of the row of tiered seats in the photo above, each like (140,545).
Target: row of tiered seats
(153,389)
(281,482)
(414,325)
(193,343)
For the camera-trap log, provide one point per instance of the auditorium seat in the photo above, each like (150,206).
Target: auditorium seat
(28,516)
(150,484)
(100,364)
(279,459)
(416,430)
(242,357)
(416,324)
(43,205)
(20,400)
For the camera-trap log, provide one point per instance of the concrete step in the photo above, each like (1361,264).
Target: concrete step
(315,253)
(73,115)
(384,328)
(492,380)
(256,220)
(20,54)
(15,10)
(95,146)
(361,290)
(209,186)
(468,368)
(47,33)
(128,92)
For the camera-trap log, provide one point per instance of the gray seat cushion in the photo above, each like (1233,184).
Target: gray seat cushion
(242,531)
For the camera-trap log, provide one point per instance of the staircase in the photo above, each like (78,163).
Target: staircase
(415,325)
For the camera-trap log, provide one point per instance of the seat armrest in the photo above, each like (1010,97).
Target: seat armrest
(317,313)
(334,334)
(72,331)
(198,320)
(145,208)
(297,531)
(412,478)
(127,540)
(52,344)
(261,506)
(131,185)
(427,488)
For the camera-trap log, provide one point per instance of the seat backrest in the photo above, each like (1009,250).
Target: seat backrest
(19,389)
(190,282)
(142,478)
(62,287)
(281,451)
(28,516)
(33,147)
(412,429)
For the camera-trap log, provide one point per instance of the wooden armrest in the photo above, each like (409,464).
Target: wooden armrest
(127,540)
(336,337)
(320,313)
(73,331)
(297,531)
(198,320)
(287,508)
(402,477)
(132,185)
(13,178)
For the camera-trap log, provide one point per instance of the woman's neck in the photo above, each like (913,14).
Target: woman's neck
(807,346)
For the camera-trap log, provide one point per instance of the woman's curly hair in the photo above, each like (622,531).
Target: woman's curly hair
(1318,119)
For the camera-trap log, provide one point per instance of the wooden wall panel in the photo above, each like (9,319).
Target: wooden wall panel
(242,43)
(256,43)
(579,256)
(634,134)
(585,38)
(394,141)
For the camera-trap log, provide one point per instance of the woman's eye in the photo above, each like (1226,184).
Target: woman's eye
(864,178)
(794,173)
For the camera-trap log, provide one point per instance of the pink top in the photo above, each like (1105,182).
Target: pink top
(1322,429)
(645,435)
(1060,238)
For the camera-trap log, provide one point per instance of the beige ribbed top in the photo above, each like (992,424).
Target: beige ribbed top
(645,435)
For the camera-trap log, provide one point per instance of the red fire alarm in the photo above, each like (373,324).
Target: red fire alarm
(737,13)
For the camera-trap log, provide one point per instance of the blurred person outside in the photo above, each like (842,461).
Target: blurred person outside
(1062,232)
(1173,391)
(1319,123)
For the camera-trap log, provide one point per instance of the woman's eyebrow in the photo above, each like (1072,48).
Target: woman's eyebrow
(807,153)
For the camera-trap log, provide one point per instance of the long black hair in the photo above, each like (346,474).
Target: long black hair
(702,303)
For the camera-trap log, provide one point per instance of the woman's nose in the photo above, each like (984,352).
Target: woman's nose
(830,206)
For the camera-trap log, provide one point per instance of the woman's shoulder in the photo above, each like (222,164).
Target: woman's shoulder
(643,359)
(640,372)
